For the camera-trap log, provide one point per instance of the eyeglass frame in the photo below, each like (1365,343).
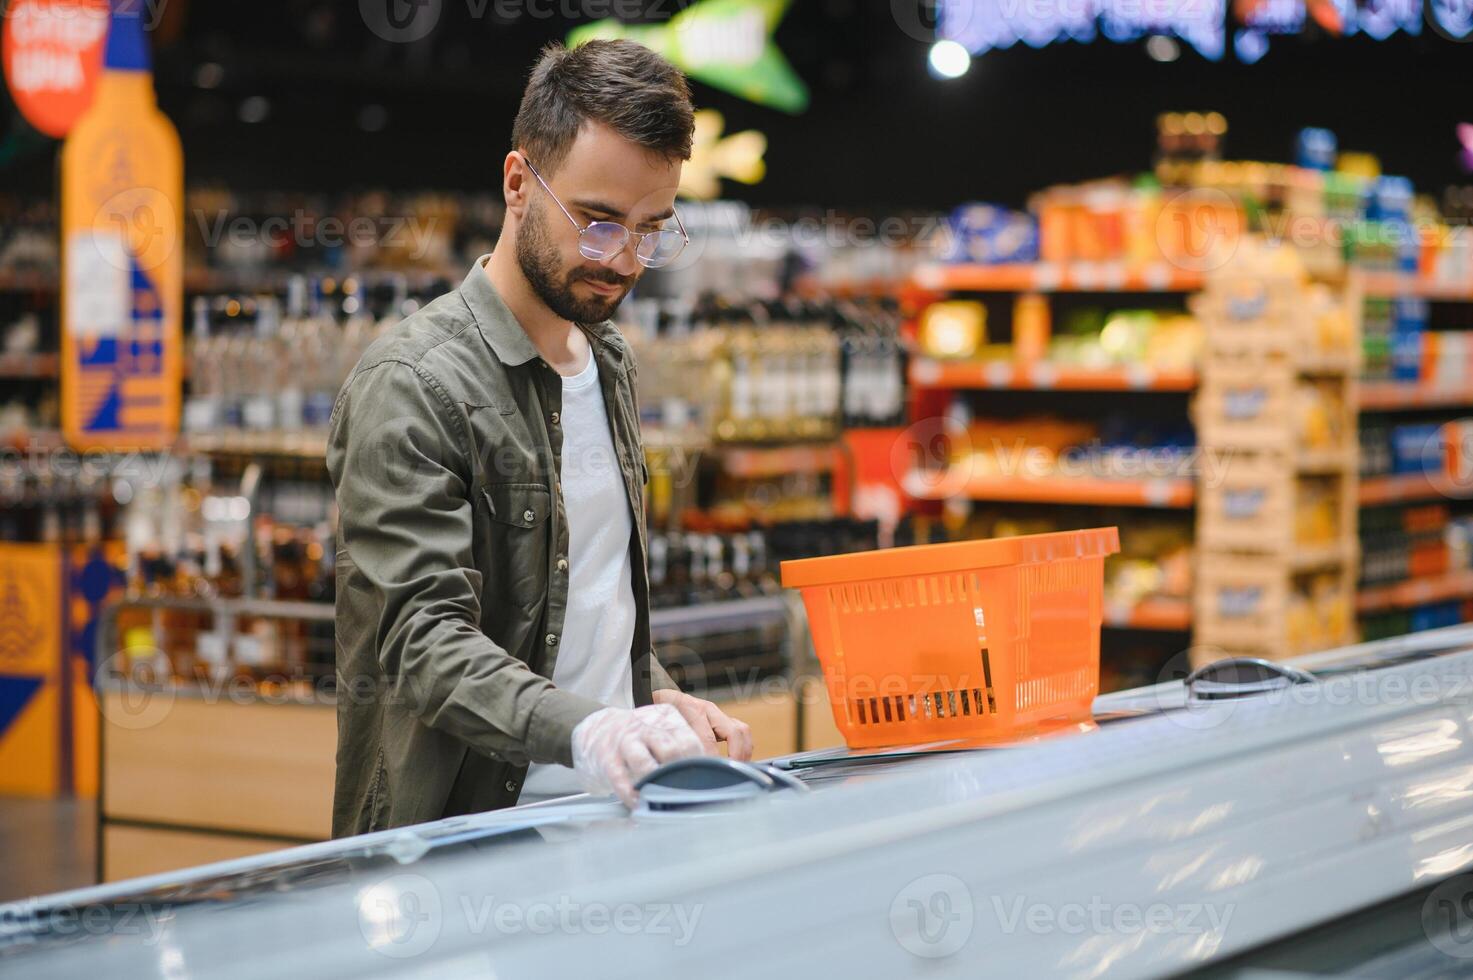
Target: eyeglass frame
(629,235)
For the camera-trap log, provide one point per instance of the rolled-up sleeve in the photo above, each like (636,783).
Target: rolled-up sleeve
(398,456)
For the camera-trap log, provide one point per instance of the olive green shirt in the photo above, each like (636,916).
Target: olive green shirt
(452,572)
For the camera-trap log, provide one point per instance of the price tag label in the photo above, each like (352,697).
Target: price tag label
(1139,376)
(1157,276)
(1157,492)
(1047,276)
(924,372)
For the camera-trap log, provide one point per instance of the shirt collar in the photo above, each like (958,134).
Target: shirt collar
(505,336)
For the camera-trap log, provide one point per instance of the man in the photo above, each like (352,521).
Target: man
(493,606)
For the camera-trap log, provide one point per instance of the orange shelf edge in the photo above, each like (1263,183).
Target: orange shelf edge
(1046,376)
(1069,490)
(1104,277)
(1415,592)
(1153,614)
(1396,488)
(1403,394)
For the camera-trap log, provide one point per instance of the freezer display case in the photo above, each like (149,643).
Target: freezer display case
(1193,825)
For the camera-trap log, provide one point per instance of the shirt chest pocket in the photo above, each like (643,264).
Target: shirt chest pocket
(519,530)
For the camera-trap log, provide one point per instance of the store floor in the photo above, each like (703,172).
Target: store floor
(49,845)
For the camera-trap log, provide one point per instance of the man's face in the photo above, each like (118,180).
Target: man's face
(604,177)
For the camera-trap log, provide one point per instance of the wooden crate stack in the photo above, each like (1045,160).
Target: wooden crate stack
(1277,547)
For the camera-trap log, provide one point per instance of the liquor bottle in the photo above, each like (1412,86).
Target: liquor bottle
(202,410)
(321,363)
(762,573)
(290,396)
(262,369)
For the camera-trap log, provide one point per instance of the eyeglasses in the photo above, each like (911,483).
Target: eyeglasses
(603,240)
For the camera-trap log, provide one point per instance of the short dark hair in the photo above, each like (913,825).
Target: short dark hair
(619,83)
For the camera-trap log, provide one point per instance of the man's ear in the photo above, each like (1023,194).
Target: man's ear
(514,182)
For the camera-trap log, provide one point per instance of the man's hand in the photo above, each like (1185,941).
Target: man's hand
(710,724)
(614,747)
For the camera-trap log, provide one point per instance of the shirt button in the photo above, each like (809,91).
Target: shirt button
(529,516)
(562,564)
(511,786)
(555,418)
(551,639)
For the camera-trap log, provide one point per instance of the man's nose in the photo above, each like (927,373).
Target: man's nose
(625,263)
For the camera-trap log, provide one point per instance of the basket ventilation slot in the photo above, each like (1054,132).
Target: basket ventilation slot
(964,702)
(900,593)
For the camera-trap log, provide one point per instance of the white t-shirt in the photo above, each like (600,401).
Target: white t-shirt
(598,632)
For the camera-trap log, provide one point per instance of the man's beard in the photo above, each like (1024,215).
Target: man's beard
(538,257)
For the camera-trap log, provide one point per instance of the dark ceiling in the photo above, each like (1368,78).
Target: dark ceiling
(880,132)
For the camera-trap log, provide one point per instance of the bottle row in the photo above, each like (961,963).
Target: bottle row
(766,371)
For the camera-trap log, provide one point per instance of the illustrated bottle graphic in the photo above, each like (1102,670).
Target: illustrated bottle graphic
(122,192)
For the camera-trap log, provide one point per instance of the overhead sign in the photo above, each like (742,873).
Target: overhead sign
(725,43)
(52,53)
(984,25)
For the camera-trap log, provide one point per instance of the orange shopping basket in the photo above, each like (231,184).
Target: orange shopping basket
(974,639)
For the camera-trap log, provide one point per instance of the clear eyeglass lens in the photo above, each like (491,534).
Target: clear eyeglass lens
(659,248)
(603,239)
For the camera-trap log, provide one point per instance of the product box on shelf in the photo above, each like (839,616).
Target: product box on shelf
(1251,507)
(1241,604)
(1247,405)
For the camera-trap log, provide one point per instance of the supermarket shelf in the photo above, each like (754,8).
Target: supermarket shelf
(207,280)
(712,617)
(1325,460)
(1415,592)
(1397,488)
(21,280)
(1395,395)
(1174,615)
(304,445)
(1321,363)
(1058,490)
(1046,277)
(1043,376)
(1307,557)
(761,462)
(32,440)
(1390,285)
(14,366)
(812,287)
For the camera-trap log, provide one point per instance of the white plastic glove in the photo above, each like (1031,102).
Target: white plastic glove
(614,747)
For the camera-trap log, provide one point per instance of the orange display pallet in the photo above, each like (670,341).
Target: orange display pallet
(1045,376)
(1415,592)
